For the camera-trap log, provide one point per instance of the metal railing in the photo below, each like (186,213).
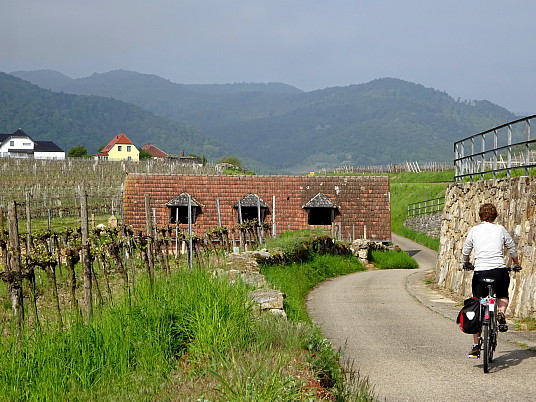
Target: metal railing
(427,207)
(500,149)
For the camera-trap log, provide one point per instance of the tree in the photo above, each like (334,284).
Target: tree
(232,160)
(78,151)
(144,154)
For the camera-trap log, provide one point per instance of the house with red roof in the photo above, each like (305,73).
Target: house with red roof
(154,151)
(120,148)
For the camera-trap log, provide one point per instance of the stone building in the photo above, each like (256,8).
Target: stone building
(350,206)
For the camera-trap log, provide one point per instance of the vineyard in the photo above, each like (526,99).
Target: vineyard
(103,312)
(72,270)
(52,188)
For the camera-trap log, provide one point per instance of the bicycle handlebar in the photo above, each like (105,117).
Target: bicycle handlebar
(467,266)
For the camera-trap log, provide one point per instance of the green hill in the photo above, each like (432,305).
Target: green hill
(92,121)
(281,129)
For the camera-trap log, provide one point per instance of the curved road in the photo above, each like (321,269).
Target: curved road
(408,351)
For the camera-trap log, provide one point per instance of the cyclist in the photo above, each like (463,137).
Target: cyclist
(488,240)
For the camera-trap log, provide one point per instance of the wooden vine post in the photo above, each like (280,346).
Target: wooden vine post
(85,257)
(149,231)
(3,242)
(15,267)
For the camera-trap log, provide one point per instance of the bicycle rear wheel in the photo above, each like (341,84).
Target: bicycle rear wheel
(488,353)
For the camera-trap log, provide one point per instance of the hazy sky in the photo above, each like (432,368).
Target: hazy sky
(473,49)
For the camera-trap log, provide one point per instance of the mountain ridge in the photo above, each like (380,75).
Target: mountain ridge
(283,129)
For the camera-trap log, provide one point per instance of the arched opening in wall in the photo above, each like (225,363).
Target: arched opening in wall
(320,210)
(178,208)
(251,207)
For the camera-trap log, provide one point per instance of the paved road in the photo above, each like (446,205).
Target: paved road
(408,350)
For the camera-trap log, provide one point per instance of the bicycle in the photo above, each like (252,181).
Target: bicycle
(490,326)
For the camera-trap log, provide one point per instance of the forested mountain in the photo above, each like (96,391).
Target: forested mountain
(290,131)
(92,121)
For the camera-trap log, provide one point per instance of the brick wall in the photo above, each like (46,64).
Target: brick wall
(362,201)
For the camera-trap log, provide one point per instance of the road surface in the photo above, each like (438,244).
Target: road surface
(408,351)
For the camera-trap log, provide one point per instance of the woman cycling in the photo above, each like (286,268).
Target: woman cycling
(488,240)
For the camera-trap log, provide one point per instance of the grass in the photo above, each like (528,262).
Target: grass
(526,324)
(59,224)
(128,350)
(408,188)
(192,337)
(392,260)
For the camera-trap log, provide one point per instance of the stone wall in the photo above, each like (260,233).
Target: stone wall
(515,200)
(427,224)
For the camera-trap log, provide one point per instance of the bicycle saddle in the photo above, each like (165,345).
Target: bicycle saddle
(487,280)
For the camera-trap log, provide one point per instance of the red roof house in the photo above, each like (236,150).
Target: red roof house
(154,151)
(118,149)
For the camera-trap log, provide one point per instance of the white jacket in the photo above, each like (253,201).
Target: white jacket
(488,241)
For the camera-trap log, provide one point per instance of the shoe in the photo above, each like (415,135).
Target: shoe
(503,327)
(475,352)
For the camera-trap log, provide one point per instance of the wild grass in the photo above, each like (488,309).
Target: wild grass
(128,350)
(392,260)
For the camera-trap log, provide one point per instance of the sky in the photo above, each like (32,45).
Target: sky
(471,49)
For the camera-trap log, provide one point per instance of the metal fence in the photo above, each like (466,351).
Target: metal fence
(499,150)
(427,207)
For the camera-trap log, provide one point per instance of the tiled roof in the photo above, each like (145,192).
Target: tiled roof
(154,151)
(182,201)
(118,139)
(362,201)
(251,200)
(320,201)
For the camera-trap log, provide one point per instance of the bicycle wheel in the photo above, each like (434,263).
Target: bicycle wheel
(486,346)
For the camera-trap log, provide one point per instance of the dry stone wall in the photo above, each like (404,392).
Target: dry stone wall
(428,224)
(515,200)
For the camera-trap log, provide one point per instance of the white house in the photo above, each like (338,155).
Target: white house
(21,145)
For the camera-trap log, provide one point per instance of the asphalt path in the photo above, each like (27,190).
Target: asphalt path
(387,327)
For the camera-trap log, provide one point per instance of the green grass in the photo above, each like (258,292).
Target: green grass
(408,188)
(392,260)
(127,351)
(59,224)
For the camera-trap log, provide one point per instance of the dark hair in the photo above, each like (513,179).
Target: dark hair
(487,212)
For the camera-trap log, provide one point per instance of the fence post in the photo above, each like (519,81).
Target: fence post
(14,264)
(148,230)
(190,233)
(28,224)
(85,257)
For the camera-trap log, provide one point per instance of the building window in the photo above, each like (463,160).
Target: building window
(178,209)
(250,207)
(119,148)
(27,144)
(129,158)
(129,148)
(320,210)
(11,143)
